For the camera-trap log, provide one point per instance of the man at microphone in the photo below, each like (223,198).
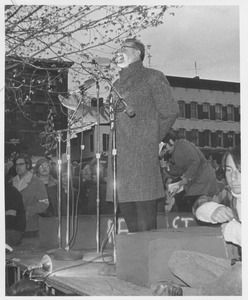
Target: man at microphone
(144,116)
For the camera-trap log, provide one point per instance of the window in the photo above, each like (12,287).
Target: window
(193,110)
(194,137)
(206,110)
(182,133)
(218,112)
(230,139)
(230,113)
(219,138)
(105,142)
(181,105)
(206,138)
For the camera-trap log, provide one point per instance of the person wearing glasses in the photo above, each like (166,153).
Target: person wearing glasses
(34,194)
(142,121)
(43,170)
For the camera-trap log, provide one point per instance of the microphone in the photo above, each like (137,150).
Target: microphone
(83,87)
(86,85)
(101,61)
(128,109)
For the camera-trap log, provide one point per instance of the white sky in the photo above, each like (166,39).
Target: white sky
(207,35)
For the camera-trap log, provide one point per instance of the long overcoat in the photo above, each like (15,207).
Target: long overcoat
(147,92)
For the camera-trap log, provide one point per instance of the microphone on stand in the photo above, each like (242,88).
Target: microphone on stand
(83,87)
(101,61)
(86,85)
(128,109)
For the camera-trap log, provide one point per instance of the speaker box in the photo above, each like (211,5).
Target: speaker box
(142,257)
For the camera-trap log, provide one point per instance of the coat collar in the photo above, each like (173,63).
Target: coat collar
(132,69)
(22,184)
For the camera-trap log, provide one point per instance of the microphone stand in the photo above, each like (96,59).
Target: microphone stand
(114,154)
(64,254)
(98,256)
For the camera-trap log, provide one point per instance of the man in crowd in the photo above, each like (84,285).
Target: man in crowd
(34,194)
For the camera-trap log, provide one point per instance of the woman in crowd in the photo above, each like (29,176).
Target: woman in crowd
(205,274)
(33,191)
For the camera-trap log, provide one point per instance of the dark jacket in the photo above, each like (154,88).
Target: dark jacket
(187,159)
(15,215)
(148,93)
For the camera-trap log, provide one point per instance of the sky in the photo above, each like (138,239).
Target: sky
(205,37)
(202,40)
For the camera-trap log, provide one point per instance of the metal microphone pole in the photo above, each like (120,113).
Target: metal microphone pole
(114,153)
(59,188)
(98,256)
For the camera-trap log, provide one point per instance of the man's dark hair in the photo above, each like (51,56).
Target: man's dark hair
(169,136)
(26,159)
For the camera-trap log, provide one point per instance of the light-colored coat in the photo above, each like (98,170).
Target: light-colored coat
(35,200)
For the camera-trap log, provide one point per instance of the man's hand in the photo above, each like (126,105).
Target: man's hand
(222,214)
(164,164)
(183,181)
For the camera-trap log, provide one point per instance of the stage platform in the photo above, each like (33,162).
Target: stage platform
(78,277)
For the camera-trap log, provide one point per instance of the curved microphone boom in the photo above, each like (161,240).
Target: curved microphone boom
(100,61)
(128,109)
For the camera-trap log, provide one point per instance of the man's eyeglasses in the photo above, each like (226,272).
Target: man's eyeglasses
(44,167)
(20,164)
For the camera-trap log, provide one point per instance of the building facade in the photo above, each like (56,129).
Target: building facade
(209,112)
(209,116)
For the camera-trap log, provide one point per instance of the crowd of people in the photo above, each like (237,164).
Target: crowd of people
(146,150)
(32,191)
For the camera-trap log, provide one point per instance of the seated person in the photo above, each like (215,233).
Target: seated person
(33,191)
(15,215)
(205,274)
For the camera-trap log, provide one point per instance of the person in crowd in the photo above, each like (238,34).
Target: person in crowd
(205,274)
(75,168)
(187,161)
(219,170)
(33,191)
(15,215)
(27,287)
(43,170)
(142,121)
